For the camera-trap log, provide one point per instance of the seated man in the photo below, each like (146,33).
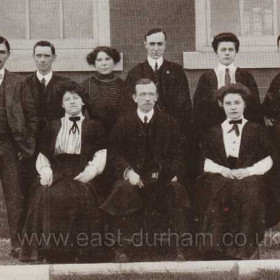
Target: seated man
(146,152)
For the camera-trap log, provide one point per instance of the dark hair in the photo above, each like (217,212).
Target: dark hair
(237,88)
(225,37)
(278,39)
(5,41)
(154,31)
(113,53)
(44,44)
(72,86)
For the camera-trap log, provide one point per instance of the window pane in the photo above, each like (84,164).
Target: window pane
(78,19)
(224,16)
(12,19)
(44,17)
(258,17)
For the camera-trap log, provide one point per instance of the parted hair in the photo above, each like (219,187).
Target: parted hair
(154,31)
(225,37)
(237,88)
(44,44)
(113,53)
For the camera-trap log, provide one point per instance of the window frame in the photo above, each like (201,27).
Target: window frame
(71,53)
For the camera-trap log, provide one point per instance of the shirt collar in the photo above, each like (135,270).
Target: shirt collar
(149,115)
(152,62)
(222,67)
(2,72)
(67,116)
(46,77)
(226,123)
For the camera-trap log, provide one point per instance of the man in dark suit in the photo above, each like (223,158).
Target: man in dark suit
(43,85)
(206,109)
(18,124)
(170,78)
(146,153)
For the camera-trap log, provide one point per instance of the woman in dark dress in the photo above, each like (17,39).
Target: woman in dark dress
(231,192)
(107,99)
(63,203)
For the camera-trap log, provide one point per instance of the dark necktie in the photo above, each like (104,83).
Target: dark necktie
(156,73)
(227,77)
(235,126)
(44,83)
(74,127)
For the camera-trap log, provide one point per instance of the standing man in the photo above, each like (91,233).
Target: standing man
(44,85)
(169,77)
(18,124)
(146,152)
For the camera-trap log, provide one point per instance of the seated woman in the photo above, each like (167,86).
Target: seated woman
(230,196)
(63,203)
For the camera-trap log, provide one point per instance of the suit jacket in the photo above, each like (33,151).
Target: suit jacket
(127,146)
(206,109)
(54,109)
(174,89)
(21,113)
(92,141)
(271,103)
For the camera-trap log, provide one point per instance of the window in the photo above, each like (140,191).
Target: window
(255,22)
(74,27)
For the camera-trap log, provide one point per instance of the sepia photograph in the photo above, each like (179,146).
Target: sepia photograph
(139,139)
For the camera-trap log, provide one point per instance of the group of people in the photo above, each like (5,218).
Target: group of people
(109,160)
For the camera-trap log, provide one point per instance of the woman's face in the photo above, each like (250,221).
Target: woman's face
(234,106)
(104,63)
(72,103)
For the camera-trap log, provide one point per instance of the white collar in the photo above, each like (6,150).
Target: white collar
(152,62)
(142,115)
(67,116)
(226,123)
(46,77)
(222,67)
(2,72)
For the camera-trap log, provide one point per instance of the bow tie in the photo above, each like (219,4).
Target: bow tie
(74,127)
(235,121)
(235,126)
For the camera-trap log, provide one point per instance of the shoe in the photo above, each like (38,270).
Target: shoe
(120,256)
(15,252)
(180,257)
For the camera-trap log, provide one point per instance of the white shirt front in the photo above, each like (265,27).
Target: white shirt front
(142,115)
(46,77)
(152,62)
(2,74)
(220,71)
(231,140)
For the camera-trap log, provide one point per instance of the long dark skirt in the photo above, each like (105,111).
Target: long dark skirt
(61,217)
(231,215)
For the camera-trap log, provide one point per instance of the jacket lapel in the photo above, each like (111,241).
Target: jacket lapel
(9,92)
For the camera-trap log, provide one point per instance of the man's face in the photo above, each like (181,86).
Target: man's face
(44,58)
(72,103)
(145,97)
(234,106)
(4,55)
(226,53)
(155,45)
